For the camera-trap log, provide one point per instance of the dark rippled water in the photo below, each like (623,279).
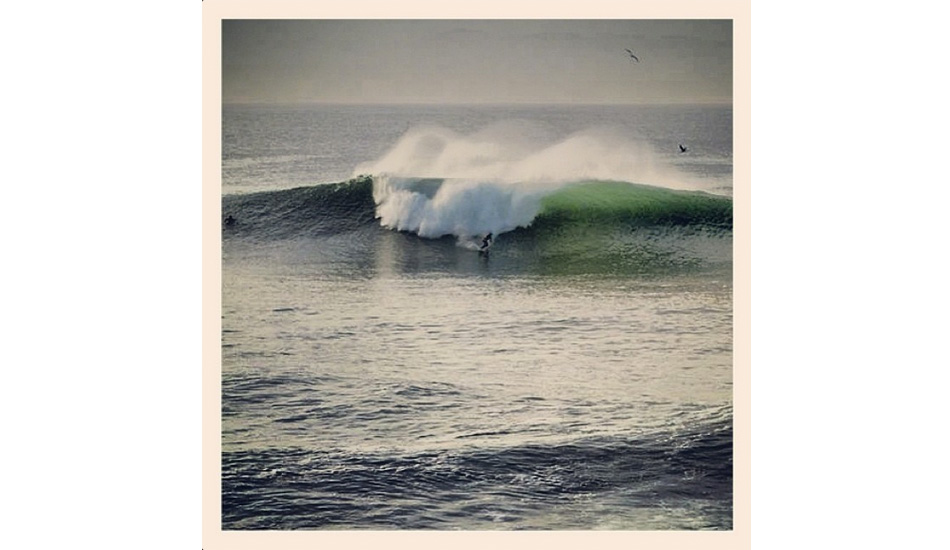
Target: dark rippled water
(657,481)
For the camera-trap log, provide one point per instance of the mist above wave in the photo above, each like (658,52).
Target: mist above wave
(495,178)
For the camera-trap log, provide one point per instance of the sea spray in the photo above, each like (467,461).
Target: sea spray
(463,207)
(435,181)
(506,152)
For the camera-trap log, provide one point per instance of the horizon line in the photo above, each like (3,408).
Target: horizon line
(721,102)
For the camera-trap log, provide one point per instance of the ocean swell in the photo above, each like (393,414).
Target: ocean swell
(435,207)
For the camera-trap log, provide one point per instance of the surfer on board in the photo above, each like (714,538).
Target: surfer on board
(486,242)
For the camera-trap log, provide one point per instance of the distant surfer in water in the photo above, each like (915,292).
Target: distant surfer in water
(486,242)
(229,220)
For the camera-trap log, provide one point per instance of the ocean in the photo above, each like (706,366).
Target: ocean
(381,371)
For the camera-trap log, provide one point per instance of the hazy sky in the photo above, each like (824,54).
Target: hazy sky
(477,61)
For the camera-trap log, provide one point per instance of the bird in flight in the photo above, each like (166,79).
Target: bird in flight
(683,148)
(631,55)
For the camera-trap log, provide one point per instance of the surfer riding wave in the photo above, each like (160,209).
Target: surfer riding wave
(486,242)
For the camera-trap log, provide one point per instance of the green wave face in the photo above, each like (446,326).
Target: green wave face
(623,228)
(607,228)
(613,203)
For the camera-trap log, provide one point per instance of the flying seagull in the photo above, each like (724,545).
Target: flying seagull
(631,55)
(683,148)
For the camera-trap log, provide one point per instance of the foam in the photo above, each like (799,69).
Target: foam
(462,207)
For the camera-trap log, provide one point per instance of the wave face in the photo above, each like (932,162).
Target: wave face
(435,207)
(619,203)
(567,228)
(315,210)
